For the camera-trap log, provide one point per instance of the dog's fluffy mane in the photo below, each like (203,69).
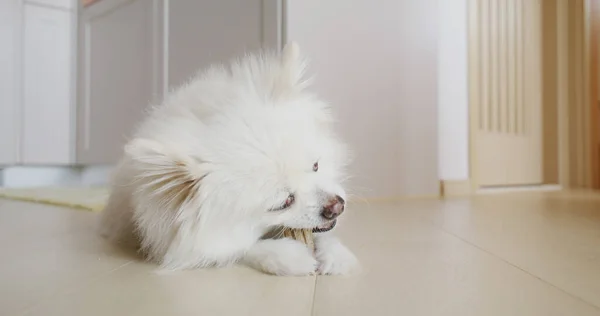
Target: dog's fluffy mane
(164,178)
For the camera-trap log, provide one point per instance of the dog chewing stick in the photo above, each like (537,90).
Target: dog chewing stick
(303,235)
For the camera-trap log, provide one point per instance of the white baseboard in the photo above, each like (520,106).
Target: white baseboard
(541,187)
(96,175)
(29,176)
(455,188)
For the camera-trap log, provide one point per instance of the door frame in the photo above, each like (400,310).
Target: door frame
(576,149)
(593,25)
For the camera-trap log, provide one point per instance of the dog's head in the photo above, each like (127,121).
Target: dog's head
(290,166)
(268,156)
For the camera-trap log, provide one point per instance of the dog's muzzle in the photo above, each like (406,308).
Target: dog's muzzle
(334,208)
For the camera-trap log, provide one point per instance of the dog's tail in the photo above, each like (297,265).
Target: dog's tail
(164,176)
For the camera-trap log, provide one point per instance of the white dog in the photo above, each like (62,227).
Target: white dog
(234,154)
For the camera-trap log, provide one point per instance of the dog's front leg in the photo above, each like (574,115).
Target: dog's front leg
(333,257)
(281,257)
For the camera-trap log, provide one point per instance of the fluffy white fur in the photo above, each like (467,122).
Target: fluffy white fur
(206,173)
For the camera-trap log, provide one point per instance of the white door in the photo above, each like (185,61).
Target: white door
(505,82)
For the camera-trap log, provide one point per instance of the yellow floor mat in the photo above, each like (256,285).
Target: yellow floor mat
(83,198)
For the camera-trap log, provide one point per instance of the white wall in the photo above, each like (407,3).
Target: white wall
(376,62)
(453,116)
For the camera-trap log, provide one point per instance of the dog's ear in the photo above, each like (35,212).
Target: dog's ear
(292,70)
(290,54)
(163,175)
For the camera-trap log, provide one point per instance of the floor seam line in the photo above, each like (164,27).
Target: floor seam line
(517,267)
(314,297)
(67,289)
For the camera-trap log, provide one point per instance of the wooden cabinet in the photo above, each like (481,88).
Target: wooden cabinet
(85,74)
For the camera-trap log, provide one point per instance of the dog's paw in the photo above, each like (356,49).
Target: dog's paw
(335,259)
(284,257)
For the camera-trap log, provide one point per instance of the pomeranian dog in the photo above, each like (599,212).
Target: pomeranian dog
(233,156)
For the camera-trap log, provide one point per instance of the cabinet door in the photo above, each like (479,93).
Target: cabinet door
(9,90)
(204,32)
(115,75)
(47,79)
(132,52)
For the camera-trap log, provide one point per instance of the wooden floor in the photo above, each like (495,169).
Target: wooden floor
(521,254)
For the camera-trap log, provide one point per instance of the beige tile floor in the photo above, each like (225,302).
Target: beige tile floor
(521,254)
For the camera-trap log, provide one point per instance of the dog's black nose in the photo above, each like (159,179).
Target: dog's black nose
(333,208)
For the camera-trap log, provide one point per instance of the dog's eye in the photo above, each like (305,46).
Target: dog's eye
(316,166)
(288,202)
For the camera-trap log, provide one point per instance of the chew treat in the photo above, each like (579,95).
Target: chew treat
(303,235)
